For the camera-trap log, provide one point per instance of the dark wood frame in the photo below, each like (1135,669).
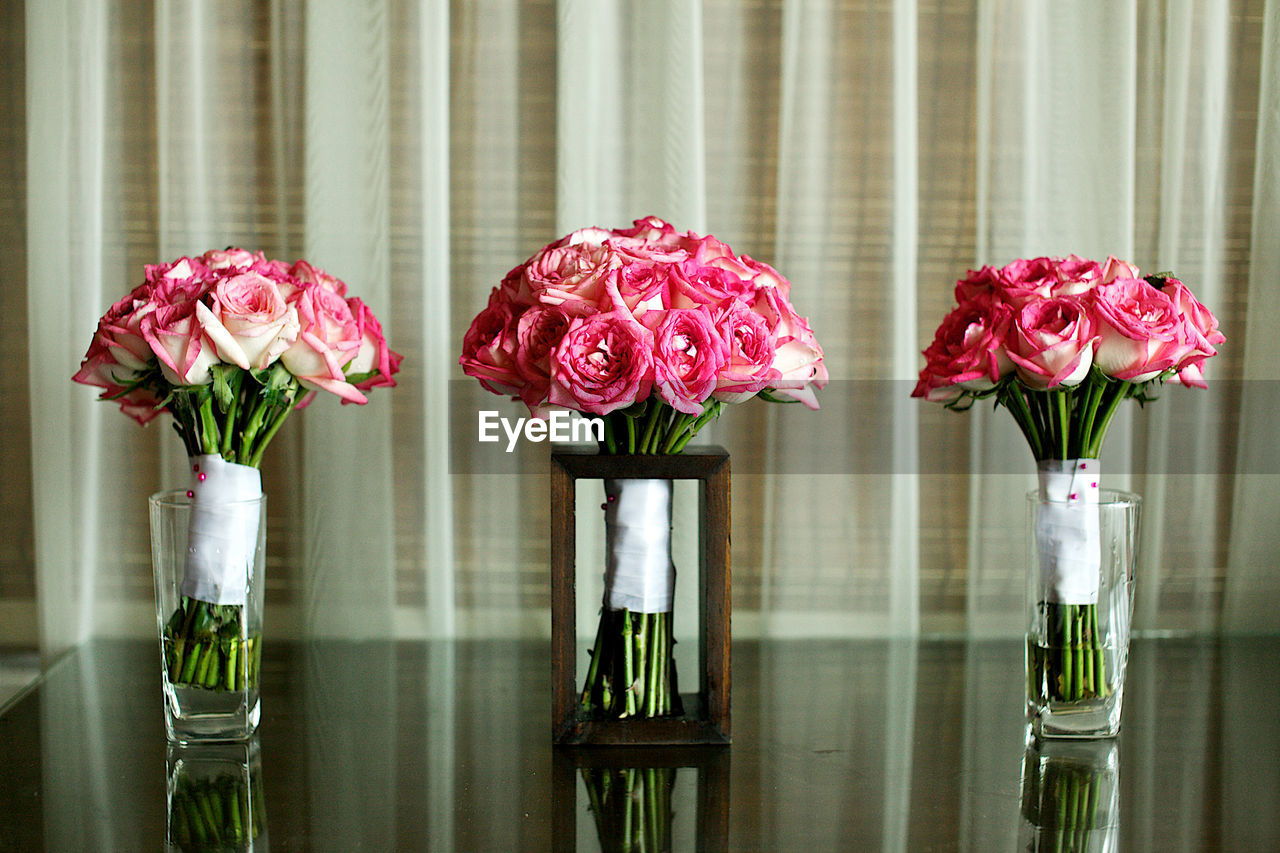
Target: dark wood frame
(706,719)
(712,764)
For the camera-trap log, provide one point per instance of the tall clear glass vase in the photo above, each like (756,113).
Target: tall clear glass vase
(1078,629)
(210,639)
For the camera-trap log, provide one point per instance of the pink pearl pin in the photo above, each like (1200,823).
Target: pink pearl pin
(190,493)
(202,476)
(1083,465)
(1074,496)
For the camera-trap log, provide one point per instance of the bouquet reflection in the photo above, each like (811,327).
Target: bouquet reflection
(1071,796)
(215,798)
(632,806)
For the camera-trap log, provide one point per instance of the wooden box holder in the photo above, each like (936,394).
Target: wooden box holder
(706,718)
(711,764)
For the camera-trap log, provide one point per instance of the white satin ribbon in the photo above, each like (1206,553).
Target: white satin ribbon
(639,573)
(1068,534)
(223,534)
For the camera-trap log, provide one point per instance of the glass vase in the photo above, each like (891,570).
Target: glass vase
(210,651)
(215,798)
(1078,642)
(1070,796)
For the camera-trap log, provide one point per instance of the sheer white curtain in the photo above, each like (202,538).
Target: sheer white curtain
(872,152)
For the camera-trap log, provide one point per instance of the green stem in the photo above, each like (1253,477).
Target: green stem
(229,426)
(1040,413)
(680,429)
(255,460)
(1087,412)
(593,668)
(628,666)
(1117,395)
(1068,686)
(650,425)
(1016,402)
(208,426)
(1064,420)
(232,654)
(610,441)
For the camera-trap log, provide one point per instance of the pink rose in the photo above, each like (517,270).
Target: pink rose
(797,356)
(328,339)
(604,362)
(575,274)
(1140,331)
(248,320)
(121,328)
(100,368)
(539,331)
(375,363)
(653,241)
(1051,342)
(1203,332)
(688,355)
(967,352)
(1076,276)
(141,404)
(178,340)
(309,274)
(186,275)
(986,281)
(750,350)
(231,259)
(489,347)
(1114,268)
(762,275)
(694,285)
(649,236)
(1027,279)
(639,287)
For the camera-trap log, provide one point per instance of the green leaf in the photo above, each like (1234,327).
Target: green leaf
(221,387)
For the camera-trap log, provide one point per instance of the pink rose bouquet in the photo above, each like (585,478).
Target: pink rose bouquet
(229,344)
(1061,343)
(650,331)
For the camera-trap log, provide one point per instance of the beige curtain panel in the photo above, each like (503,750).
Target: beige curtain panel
(871,151)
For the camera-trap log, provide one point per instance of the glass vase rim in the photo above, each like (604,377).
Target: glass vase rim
(1106,497)
(180,498)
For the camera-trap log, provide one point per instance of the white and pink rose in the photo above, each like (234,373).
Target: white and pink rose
(599,320)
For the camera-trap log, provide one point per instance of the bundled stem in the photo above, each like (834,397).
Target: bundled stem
(1069,423)
(207,646)
(1063,800)
(218,812)
(632,807)
(631,672)
(234,416)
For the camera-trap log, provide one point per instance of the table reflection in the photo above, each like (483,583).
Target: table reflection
(838,745)
(216,798)
(652,798)
(1071,796)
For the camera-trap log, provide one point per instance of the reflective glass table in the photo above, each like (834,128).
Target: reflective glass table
(838,745)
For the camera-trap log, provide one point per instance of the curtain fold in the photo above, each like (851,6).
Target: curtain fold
(871,152)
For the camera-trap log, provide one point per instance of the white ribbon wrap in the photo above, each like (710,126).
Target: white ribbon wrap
(223,534)
(639,573)
(1068,534)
